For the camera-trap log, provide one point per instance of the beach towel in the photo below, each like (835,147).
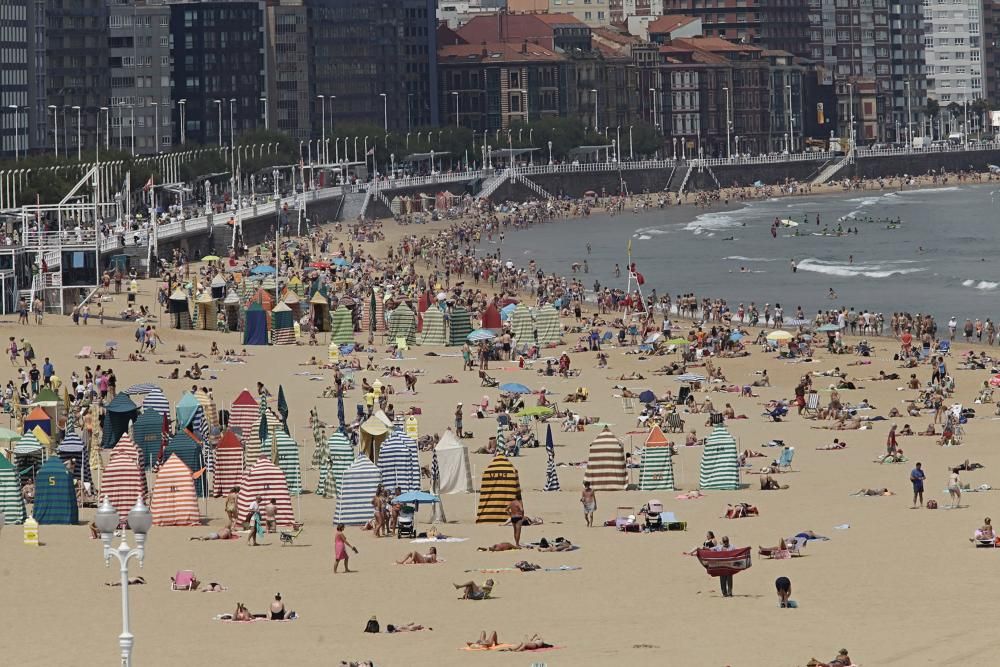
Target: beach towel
(728,562)
(222,618)
(428,540)
(500,647)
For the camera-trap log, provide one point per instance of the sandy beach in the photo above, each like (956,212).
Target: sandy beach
(894,585)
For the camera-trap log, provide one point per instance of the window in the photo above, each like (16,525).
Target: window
(587,16)
(974,27)
(975,56)
(164,41)
(977,84)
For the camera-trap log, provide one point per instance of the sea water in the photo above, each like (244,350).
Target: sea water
(940,260)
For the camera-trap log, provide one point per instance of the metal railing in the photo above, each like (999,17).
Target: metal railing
(923,150)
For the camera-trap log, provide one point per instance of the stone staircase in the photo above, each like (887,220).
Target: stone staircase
(354,205)
(491,184)
(531,185)
(830,171)
(687,177)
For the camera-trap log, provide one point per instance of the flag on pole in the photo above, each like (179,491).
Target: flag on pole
(283,408)
(551,478)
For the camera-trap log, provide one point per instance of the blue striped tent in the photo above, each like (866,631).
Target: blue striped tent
(72,449)
(11,500)
(354,506)
(398,464)
(187,448)
(285,452)
(120,413)
(460,326)
(156,400)
(185,409)
(55,497)
(147,433)
(340,456)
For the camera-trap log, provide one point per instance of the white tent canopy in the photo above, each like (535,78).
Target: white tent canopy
(453,463)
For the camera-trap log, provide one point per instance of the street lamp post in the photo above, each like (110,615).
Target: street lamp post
(850,113)
(55,128)
(455,95)
(140,520)
(156,122)
(550,152)
(218,105)
(618,135)
(788,121)
(17,112)
(385,111)
(131,112)
(107,127)
(79,146)
(652,96)
(267,121)
(909,116)
(183,104)
(232,142)
(631,152)
(728,122)
(322,106)
(594,91)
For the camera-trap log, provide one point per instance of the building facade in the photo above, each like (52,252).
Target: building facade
(287,106)
(953,41)
(909,80)
(218,56)
(772,24)
(15,76)
(141,121)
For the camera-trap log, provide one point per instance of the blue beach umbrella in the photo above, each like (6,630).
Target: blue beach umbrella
(514,388)
(261,270)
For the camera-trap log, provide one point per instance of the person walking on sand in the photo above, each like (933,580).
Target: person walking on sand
(256,526)
(917,476)
(955,489)
(516,512)
(340,547)
(589,501)
(231,507)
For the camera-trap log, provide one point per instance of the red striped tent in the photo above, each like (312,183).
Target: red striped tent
(265,480)
(175,502)
(122,482)
(228,464)
(126,447)
(606,463)
(244,414)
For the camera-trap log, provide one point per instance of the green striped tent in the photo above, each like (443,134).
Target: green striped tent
(720,464)
(11,501)
(287,460)
(327,485)
(657,471)
(403,324)
(547,325)
(341,456)
(341,326)
(461,326)
(522,326)
(55,497)
(433,330)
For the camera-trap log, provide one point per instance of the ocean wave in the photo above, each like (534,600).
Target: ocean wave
(984,285)
(644,237)
(656,231)
(949,188)
(710,221)
(866,270)
(741,258)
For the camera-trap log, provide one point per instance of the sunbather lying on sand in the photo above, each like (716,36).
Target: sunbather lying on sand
(836,444)
(223,534)
(842,660)
(873,492)
(484,641)
(502,546)
(447,379)
(472,591)
(768,483)
(842,424)
(417,558)
(406,627)
(560,544)
(532,643)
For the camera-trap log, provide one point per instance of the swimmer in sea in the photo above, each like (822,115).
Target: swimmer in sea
(832,294)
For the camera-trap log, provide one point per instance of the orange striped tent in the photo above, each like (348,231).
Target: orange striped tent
(265,480)
(175,502)
(228,464)
(126,447)
(244,416)
(606,463)
(122,482)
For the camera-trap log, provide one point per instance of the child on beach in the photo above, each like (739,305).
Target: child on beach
(340,546)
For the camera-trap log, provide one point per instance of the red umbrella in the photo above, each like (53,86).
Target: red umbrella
(320,265)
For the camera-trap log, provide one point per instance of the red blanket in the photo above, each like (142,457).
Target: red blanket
(718,563)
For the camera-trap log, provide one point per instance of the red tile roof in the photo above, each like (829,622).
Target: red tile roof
(508,27)
(666,24)
(496,52)
(716,44)
(558,19)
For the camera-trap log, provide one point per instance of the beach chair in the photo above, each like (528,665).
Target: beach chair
(487,381)
(812,404)
(785,460)
(184,580)
(628,405)
(674,423)
(776,414)
(682,394)
(84,352)
(625,520)
(406,523)
(944,347)
(716,419)
(607,337)
(288,537)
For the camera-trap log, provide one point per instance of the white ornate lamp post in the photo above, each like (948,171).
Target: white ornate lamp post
(139,520)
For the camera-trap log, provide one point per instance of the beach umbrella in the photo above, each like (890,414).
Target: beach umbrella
(653,337)
(141,388)
(480,335)
(514,388)
(9,436)
(690,377)
(261,270)
(416,497)
(779,335)
(283,407)
(736,336)
(551,478)
(210,258)
(828,328)
(340,410)
(647,396)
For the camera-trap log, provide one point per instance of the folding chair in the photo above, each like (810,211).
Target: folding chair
(812,403)
(785,460)
(488,381)
(84,352)
(184,580)
(675,423)
(628,404)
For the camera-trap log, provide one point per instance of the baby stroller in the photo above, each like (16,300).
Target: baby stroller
(406,523)
(653,513)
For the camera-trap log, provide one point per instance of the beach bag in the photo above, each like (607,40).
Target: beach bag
(932,504)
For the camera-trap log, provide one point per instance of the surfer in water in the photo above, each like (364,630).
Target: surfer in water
(832,294)
(795,267)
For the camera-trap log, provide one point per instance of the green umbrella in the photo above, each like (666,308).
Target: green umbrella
(678,341)
(6,435)
(536,411)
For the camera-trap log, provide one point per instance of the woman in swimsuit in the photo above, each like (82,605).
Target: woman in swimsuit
(472,591)
(417,558)
(516,512)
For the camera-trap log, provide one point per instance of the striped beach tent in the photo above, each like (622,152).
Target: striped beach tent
(244,416)
(55,497)
(156,400)
(174,501)
(72,449)
(11,500)
(339,458)
(657,469)
(126,447)
(547,325)
(282,325)
(606,463)
(147,432)
(319,439)
(285,453)
(265,480)
(187,447)
(342,326)
(398,464)
(551,476)
(460,327)
(720,462)
(522,325)
(208,405)
(498,486)
(228,464)
(403,324)
(433,332)
(119,413)
(357,488)
(186,407)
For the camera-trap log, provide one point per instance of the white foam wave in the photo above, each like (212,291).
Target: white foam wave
(867,270)
(741,258)
(921,190)
(644,237)
(984,285)
(709,221)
